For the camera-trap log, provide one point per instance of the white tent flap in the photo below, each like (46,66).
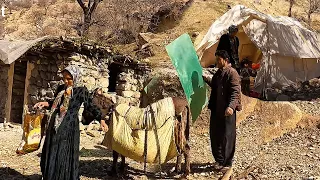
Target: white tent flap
(290,51)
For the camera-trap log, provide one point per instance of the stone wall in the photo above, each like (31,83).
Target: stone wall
(46,60)
(18,88)
(46,77)
(3,89)
(130,83)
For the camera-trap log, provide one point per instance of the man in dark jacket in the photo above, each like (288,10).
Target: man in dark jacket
(224,102)
(230,43)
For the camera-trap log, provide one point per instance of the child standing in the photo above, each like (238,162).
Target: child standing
(245,73)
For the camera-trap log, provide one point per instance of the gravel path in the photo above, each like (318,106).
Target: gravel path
(292,156)
(310,107)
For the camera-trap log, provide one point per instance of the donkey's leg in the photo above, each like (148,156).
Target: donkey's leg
(123,164)
(186,120)
(178,139)
(187,158)
(178,163)
(114,170)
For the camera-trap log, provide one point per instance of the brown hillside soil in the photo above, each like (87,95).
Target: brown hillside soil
(295,155)
(292,153)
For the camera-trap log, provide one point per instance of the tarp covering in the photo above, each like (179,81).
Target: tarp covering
(284,48)
(287,36)
(186,62)
(130,143)
(135,115)
(12,50)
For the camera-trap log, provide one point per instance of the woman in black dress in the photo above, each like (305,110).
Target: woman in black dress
(60,153)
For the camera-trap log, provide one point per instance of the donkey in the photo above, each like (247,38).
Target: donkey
(181,129)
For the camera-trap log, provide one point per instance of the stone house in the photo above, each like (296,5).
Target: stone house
(29,71)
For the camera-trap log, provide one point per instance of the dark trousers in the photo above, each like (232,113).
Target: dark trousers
(223,138)
(245,87)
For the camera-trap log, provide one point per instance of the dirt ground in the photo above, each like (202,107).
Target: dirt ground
(295,155)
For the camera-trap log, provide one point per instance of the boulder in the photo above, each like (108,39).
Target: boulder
(195,34)
(277,118)
(134,88)
(35,72)
(136,95)
(309,121)
(33,90)
(103,82)
(127,94)
(124,87)
(94,73)
(89,81)
(75,58)
(144,38)
(248,107)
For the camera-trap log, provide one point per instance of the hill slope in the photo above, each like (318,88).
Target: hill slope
(199,17)
(59,19)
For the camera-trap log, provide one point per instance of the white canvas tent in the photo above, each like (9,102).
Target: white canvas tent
(287,51)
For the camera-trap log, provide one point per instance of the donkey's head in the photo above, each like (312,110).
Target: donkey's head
(104,102)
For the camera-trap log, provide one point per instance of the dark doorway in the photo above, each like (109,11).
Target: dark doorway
(114,71)
(18,86)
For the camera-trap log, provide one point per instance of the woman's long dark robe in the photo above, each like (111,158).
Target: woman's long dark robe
(60,153)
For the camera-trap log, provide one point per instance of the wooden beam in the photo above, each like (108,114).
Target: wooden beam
(9,97)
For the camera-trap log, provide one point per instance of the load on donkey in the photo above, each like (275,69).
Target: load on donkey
(159,131)
(153,134)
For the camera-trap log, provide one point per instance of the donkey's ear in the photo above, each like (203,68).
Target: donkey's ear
(114,99)
(145,84)
(150,83)
(111,98)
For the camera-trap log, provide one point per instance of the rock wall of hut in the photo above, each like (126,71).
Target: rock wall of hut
(4,69)
(41,76)
(46,77)
(130,84)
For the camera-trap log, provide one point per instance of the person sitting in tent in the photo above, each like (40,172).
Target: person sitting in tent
(245,73)
(230,43)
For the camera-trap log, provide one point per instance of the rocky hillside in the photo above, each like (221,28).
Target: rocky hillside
(120,22)
(112,19)
(202,13)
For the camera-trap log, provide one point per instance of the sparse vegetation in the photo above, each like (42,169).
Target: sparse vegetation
(113,21)
(314,7)
(1,28)
(293,154)
(290,7)
(118,22)
(88,10)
